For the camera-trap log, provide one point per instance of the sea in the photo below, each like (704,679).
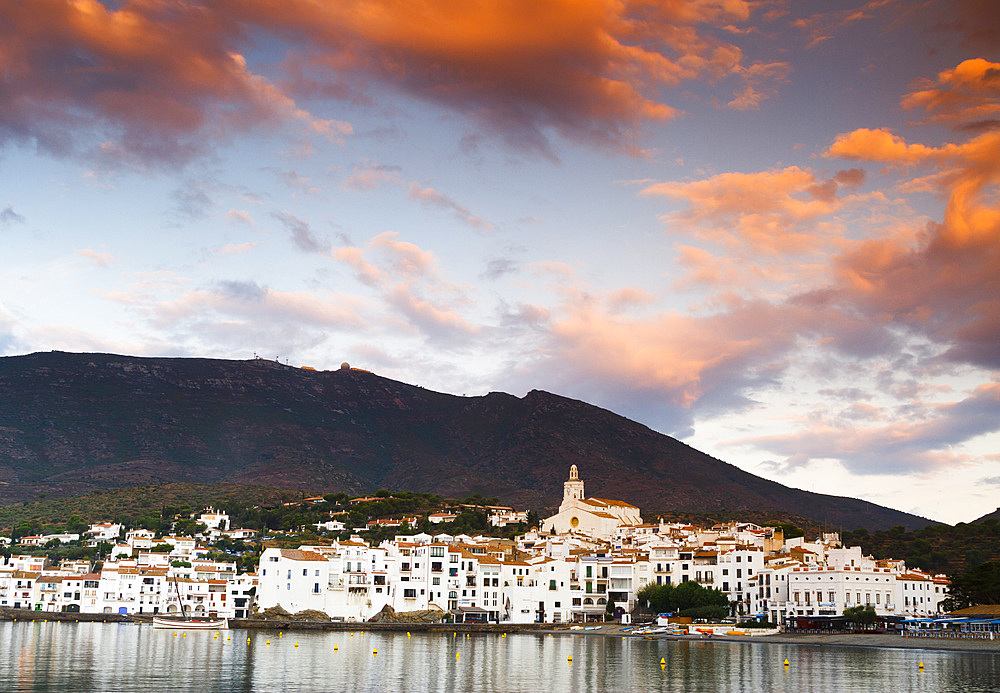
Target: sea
(50,656)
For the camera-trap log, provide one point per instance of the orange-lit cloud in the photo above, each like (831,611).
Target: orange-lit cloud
(967,96)
(139,81)
(767,212)
(152,80)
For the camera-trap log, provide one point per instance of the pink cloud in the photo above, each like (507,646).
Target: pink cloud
(924,443)
(408,282)
(102,259)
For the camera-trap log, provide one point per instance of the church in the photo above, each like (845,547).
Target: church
(595,517)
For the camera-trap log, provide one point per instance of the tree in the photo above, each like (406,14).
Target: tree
(861,615)
(789,530)
(981,585)
(76,525)
(686,599)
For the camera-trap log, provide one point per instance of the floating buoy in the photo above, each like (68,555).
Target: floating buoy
(786,661)
(457,655)
(228,638)
(374,652)
(296,644)
(248,641)
(663,661)
(184,635)
(466,635)
(920,666)
(335,648)
(570,659)
(268,642)
(280,633)
(175,635)
(407,633)
(352,635)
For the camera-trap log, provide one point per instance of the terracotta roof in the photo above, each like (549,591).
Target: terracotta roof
(991,610)
(298,555)
(614,502)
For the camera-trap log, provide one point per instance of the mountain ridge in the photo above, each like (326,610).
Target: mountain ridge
(72,422)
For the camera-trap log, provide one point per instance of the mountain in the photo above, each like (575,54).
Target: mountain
(70,423)
(995,515)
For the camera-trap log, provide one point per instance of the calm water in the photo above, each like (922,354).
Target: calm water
(130,657)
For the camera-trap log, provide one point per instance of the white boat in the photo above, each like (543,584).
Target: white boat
(185,622)
(191,623)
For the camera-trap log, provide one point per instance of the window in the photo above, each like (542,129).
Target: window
(437,551)
(410,593)
(552,585)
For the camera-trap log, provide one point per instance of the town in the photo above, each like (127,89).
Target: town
(588,562)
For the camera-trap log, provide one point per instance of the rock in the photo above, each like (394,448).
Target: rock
(389,615)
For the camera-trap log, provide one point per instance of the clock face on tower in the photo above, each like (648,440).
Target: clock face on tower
(574,521)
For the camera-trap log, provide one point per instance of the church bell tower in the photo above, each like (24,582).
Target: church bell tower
(572,489)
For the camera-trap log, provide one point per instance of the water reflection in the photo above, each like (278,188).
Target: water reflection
(129,657)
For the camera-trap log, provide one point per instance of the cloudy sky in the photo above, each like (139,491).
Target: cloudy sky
(768,228)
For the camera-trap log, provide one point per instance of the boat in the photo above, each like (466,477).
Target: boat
(186,622)
(191,623)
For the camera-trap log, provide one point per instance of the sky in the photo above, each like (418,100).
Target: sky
(770,229)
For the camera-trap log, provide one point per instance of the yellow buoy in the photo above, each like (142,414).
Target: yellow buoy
(280,633)
(175,635)
(466,635)
(267,642)
(296,643)
(248,641)
(335,648)
(184,635)
(570,659)
(407,633)
(663,661)
(457,655)
(374,652)
(921,665)
(786,662)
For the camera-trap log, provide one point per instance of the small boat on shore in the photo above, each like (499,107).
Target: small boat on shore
(191,623)
(186,622)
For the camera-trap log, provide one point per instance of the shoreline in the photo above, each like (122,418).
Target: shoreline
(608,630)
(866,640)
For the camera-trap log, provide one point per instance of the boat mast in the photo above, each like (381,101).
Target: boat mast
(179,600)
